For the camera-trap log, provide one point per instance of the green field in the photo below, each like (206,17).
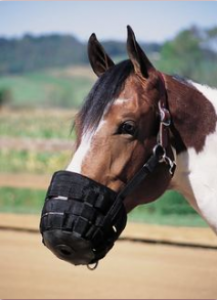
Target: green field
(171,209)
(38,121)
(50,88)
(21,200)
(32,161)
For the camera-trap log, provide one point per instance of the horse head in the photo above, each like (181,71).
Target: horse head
(123,157)
(118,126)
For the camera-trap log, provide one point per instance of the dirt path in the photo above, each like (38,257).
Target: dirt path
(31,181)
(33,144)
(133,231)
(131,270)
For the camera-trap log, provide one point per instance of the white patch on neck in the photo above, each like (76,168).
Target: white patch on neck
(196,177)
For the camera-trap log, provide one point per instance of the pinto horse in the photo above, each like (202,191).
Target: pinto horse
(140,132)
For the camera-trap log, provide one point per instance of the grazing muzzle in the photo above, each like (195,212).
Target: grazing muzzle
(81,218)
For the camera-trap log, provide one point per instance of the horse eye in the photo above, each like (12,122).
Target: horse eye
(128,127)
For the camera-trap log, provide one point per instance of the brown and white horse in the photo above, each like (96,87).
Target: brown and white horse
(117,129)
(135,126)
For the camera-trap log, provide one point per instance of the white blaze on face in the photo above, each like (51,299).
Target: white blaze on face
(85,146)
(80,154)
(83,150)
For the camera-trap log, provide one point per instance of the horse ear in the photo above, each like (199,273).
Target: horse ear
(141,63)
(99,59)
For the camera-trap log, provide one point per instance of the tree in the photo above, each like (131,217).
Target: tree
(182,54)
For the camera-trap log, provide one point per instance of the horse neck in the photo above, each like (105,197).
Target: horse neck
(194,113)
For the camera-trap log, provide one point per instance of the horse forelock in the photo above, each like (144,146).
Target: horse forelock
(104,92)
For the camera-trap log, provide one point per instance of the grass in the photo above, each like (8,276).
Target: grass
(36,89)
(21,200)
(33,162)
(31,201)
(35,124)
(47,89)
(55,123)
(170,209)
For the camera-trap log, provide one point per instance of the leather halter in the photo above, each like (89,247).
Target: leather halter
(165,124)
(162,151)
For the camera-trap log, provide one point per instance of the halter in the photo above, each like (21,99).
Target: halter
(81,219)
(164,131)
(161,153)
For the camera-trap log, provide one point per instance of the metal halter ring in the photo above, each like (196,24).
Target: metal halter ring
(171,163)
(159,152)
(93,267)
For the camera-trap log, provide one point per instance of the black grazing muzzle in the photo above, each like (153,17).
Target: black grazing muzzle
(81,218)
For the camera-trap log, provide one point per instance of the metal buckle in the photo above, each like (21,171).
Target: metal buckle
(171,163)
(160,152)
(164,115)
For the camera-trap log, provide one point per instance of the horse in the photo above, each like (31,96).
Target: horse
(139,133)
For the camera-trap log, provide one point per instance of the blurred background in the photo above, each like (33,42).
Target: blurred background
(45,77)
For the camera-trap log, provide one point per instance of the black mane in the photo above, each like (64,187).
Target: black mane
(105,90)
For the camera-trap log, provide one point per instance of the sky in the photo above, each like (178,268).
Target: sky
(151,20)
